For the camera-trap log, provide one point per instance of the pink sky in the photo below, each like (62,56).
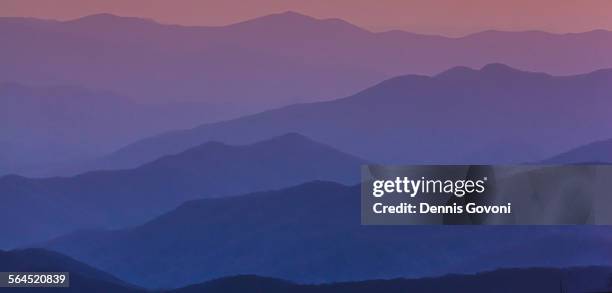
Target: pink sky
(447,17)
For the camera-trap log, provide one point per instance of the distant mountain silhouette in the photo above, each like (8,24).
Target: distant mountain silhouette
(37,209)
(265,62)
(493,115)
(207,74)
(596,152)
(587,279)
(230,67)
(243,283)
(83,278)
(47,125)
(312,233)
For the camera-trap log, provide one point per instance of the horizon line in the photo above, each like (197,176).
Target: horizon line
(291,12)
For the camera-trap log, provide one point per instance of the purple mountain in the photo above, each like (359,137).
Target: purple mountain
(229,71)
(46,125)
(154,62)
(312,234)
(493,115)
(596,152)
(265,62)
(37,209)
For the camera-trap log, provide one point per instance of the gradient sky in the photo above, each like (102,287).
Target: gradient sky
(447,17)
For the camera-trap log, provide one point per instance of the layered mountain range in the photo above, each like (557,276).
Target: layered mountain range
(84,278)
(286,109)
(146,77)
(37,209)
(276,59)
(312,233)
(44,127)
(496,114)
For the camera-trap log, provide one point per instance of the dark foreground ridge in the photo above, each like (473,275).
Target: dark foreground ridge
(584,279)
(83,278)
(87,279)
(312,233)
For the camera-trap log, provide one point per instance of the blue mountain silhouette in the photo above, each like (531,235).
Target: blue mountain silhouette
(514,280)
(312,233)
(83,278)
(596,152)
(37,209)
(493,115)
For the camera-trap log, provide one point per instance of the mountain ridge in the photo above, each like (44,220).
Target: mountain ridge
(293,15)
(82,277)
(512,279)
(276,60)
(51,206)
(486,96)
(49,125)
(259,233)
(591,153)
